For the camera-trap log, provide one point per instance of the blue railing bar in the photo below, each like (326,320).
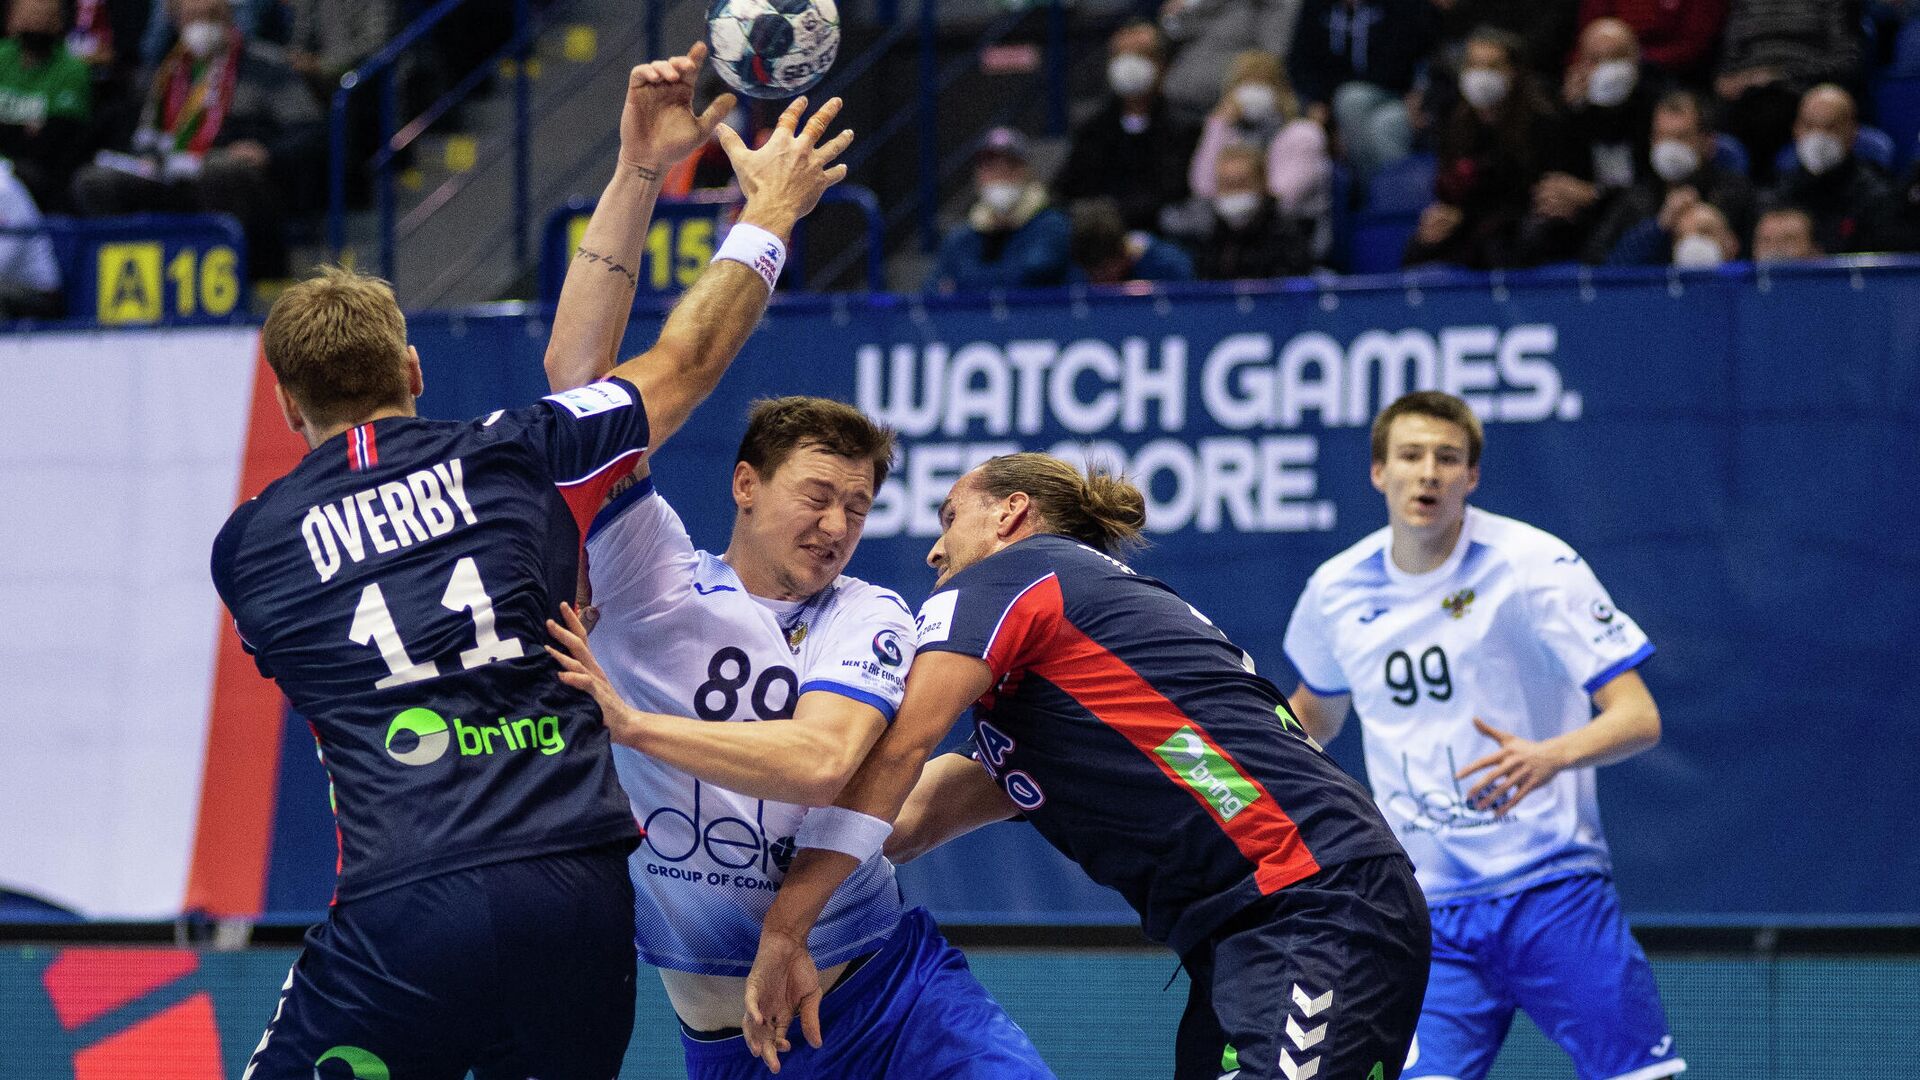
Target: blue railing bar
(522,130)
(386,176)
(929,121)
(845,74)
(418,125)
(337,119)
(1056,67)
(656,32)
(868,145)
(864,200)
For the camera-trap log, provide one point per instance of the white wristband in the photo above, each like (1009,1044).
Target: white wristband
(850,832)
(755,247)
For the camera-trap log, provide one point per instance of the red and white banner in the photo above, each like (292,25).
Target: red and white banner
(138,746)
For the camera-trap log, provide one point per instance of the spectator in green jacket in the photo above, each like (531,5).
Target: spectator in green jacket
(45,99)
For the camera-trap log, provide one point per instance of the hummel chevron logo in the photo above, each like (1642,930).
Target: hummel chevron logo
(1311,1007)
(1302,1038)
(1305,1070)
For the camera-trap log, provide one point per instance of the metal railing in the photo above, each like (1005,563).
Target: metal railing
(383,67)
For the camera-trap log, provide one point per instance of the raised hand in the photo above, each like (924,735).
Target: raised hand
(657,125)
(783,984)
(784,178)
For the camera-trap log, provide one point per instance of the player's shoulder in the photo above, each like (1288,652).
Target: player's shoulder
(861,599)
(1362,563)
(1523,546)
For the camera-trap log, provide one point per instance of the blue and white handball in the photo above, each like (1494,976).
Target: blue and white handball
(773,48)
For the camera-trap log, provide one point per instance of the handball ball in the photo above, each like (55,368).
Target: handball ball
(773,48)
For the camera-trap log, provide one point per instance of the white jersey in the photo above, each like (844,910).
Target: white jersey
(679,634)
(1514,629)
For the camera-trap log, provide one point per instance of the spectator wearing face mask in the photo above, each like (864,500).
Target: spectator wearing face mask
(1785,234)
(1207,36)
(226,128)
(1703,239)
(46,100)
(1106,253)
(1676,36)
(1637,229)
(1493,148)
(1135,150)
(1609,106)
(1356,61)
(1773,51)
(1245,232)
(1012,239)
(1850,200)
(1258,110)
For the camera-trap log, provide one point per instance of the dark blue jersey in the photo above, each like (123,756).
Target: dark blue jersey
(1138,741)
(396,584)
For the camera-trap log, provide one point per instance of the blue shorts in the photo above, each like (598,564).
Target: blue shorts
(1562,952)
(913,1011)
(510,970)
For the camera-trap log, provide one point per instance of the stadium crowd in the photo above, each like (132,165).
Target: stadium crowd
(132,106)
(1483,134)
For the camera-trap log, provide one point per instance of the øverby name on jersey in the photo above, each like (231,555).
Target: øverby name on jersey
(422,505)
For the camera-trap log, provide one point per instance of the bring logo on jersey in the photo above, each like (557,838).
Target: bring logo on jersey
(680,634)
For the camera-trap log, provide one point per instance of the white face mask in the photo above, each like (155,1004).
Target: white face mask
(1484,87)
(203,37)
(1131,74)
(1001,196)
(1819,152)
(1611,83)
(1675,160)
(1695,251)
(1256,101)
(1237,208)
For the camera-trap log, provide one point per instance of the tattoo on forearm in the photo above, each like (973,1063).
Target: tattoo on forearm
(647,173)
(633,279)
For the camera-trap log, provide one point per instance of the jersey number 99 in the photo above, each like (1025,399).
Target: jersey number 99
(1405,678)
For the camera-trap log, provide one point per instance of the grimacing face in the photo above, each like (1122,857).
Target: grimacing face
(806,518)
(969,525)
(1425,477)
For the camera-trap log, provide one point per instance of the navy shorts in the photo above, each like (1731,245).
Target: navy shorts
(514,969)
(1561,951)
(1321,979)
(913,1011)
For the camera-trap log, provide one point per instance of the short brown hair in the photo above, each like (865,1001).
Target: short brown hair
(1437,405)
(338,344)
(1101,509)
(776,427)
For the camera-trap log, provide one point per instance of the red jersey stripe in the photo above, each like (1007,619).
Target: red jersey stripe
(1120,698)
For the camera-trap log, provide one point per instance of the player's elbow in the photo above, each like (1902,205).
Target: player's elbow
(565,370)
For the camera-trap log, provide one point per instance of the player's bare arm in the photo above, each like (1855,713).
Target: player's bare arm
(1628,722)
(954,797)
(783,181)
(658,129)
(1322,715)
(805,759)
(784,983)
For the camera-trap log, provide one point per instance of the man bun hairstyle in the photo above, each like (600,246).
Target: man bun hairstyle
(777,427)
(1101,509)
(1437,405)
(338,344)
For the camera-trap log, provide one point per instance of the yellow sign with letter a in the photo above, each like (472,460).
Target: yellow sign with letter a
(139,285)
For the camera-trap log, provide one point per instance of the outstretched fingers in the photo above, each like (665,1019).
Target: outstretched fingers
(790,117)
(833,148)
(817,126)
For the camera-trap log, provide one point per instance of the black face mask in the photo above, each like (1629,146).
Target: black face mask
(37,42)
